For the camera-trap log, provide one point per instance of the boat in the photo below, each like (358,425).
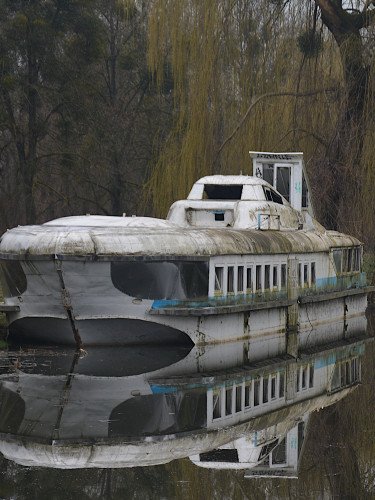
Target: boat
(242,258)
(110,409)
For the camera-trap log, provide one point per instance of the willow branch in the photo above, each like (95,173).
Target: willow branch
(265,96)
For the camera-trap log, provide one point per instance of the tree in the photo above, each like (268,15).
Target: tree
(42,45)
(268,76)
(349,27)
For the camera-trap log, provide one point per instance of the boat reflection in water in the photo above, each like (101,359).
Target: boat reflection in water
(221,406)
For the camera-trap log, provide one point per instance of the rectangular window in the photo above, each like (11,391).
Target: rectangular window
(268,169)
(258,278)
(240,279)
(247,394)
(228,400)
(348,373)
(219,273)
(297,379)
(279,453)
(335,383)
(345,260)
(306,275)
(355,370)
(249,280)
(216,404)
(266,277)
(238,398)
(230,286)
(304,377)
(337,258)
(256,392)
(343,377)
(313,275)
(281,385)
(283,275)
(311,376)
(283,181)
(350,260)
(273,387)
(359,258)
(300,283)
(275,283)
(265,389)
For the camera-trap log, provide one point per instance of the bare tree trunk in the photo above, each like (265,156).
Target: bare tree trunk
(346,146)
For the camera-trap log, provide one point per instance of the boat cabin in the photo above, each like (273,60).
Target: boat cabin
(276,197)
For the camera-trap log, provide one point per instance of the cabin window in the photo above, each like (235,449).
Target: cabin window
(313,275)
(283,181)
(268,169)
(219,277)
(357,259)
(249,279)
(273,387)
(337,258)
(179,280)
(266,277)
(266,450)
(216,404)
(304,377)
(223,192)
(278,456)
(265,389)
(271,195)
(220,455)
(305,275)
(240,279)
(256,392)
(247,394)
(219,216)
(347,259)
(238,398)
(283,275)
(275,277)
(305,193)
(258,278)
(228,401)
(300,282)
(346,373)
(281,385)
(230,286)
(297,379)
(12,278)
(311,376)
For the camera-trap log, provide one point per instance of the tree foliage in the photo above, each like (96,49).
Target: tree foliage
(79,115)
(313,92)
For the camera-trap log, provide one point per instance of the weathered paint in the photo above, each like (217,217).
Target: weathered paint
(84,247)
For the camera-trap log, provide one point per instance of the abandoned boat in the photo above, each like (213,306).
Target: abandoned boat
(106,411)
(241,258)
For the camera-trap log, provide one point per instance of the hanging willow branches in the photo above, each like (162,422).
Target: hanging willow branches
(229,61)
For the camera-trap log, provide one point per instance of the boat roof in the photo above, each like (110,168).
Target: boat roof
(116,238)
(232,179)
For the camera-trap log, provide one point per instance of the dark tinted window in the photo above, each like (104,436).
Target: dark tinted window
(272,196)
(219,456)
(161,280)
(283,181)
(223,192)
(13,279)
(268,169)
(305,193)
